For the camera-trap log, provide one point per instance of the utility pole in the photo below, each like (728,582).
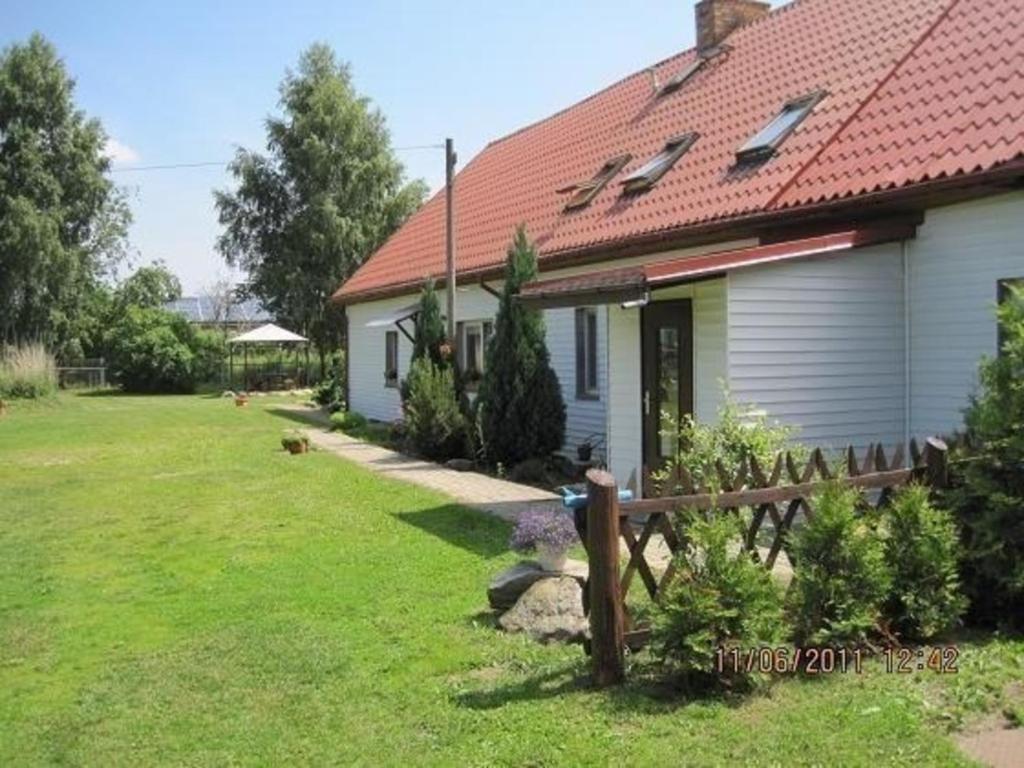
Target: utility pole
(450,159)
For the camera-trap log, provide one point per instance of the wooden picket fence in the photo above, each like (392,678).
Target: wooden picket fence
(778,495)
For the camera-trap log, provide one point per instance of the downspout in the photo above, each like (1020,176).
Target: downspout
(905,255)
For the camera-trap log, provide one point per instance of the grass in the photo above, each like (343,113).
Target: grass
(27,371)
(175,589)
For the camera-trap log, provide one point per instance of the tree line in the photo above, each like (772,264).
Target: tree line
(326,192)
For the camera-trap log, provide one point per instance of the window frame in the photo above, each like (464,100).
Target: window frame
(1003,293)
(391,355)
(587,354)
(648,174)
(486,331)
(584,192)
(683,76)
(752,152)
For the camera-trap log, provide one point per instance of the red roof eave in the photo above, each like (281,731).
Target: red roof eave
(615,283)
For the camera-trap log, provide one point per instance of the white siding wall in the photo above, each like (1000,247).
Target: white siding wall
(625,424)
(959,255)
(819,344)
(582,417)
(366,367)
(625,419)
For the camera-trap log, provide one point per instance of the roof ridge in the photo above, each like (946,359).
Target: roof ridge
(869,99)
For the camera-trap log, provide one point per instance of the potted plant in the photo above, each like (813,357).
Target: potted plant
(295,442)
(242,399)
(586,449)
(547,532)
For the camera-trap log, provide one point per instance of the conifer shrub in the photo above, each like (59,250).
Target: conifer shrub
(922,552)
(987,476)
(841,578)
(521,411)
(720,599)
(434,421)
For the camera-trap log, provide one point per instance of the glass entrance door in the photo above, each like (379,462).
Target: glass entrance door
(667,378)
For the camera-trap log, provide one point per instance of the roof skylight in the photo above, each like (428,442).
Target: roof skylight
(647,175)
(586,191)
(676,81)
(769,138)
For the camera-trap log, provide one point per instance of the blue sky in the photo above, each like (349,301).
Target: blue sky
(187,82)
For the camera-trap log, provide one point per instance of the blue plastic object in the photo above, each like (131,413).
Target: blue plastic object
(573,500)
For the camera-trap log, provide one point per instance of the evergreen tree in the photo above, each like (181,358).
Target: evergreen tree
(521,411)
(988,494)
(429,338)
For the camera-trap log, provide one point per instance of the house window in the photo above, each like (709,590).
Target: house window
(586,354)
(586,191)
(769,138)
(391,359)
(1005,291)
(647,175)
(473,336)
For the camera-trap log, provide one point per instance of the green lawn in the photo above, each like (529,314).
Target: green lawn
(175,589)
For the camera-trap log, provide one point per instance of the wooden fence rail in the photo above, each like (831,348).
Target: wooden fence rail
(777,496)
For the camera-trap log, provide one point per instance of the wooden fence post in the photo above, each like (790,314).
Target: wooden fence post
(936,454)
(606,615)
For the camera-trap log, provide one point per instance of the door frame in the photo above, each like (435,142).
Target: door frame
(682,309)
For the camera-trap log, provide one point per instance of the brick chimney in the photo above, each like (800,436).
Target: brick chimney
(717,19)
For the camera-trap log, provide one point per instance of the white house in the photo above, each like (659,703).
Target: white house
(818,206)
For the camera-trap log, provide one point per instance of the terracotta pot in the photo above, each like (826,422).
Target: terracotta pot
(241,402)
(296,448)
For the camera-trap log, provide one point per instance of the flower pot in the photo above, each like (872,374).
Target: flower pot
(241,402)
(297,448)
(552,560)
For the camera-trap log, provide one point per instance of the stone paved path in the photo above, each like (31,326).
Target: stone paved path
(488,494)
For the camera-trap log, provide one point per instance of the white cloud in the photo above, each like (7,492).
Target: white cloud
(120,154)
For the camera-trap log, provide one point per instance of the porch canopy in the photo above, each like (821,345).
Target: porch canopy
(626,285)
(396,318)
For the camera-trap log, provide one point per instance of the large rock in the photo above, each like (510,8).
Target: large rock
(549,611)
(506,588)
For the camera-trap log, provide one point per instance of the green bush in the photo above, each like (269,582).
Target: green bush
(988,484)
(27,372)
(922,553)
(331,390)
(434,421)
(521,411)
(346,420)
(840,579)
(150,350)
(720,599)
(738,434)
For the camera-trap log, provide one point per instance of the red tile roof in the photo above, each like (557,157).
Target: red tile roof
(917,90)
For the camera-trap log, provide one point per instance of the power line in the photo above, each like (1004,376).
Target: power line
(224,163)
(170,166)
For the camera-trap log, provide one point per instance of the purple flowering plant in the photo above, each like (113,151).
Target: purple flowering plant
(543,528)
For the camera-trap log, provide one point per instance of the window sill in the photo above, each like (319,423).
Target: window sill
(391,383)
(588,396)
